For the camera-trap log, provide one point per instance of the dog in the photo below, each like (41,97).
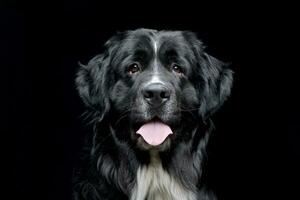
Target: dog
(150,95)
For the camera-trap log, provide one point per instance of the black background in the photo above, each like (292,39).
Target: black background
(43,43)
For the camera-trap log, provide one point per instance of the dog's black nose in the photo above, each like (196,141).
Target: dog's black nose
(156,94)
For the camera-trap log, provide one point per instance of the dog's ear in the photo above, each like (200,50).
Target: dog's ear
(218,82)
(92,79)
(214,75)
(91,85)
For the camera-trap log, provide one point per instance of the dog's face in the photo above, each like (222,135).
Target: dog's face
(155,86)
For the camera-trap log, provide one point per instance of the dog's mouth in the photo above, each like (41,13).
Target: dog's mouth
(154,132)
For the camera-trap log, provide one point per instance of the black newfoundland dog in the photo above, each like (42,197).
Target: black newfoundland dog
(150,96)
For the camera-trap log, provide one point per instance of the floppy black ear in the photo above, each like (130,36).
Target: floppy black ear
(91,85)
(214,75)
(92,79)
(217,85)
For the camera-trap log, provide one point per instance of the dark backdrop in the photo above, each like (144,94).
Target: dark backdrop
(44,43)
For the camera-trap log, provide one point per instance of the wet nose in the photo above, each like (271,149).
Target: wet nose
(156,94)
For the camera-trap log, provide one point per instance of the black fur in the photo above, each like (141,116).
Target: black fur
(112,96)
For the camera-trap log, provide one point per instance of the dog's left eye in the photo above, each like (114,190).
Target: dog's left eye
(177,69)
(133,68)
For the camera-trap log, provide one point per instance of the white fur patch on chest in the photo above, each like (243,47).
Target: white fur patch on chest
(155,183)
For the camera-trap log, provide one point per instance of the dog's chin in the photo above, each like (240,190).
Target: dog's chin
(143,145)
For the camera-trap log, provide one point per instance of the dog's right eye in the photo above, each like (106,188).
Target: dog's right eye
(133,68)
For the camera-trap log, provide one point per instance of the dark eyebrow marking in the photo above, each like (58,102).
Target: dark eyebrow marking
(171,53)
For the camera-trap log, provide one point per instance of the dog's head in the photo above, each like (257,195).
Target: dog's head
(154,86)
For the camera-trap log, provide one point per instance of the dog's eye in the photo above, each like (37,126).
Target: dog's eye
(177,69)
(133,68)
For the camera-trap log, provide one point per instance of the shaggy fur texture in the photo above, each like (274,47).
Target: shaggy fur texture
(118,163)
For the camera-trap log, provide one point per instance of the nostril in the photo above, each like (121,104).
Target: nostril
(148,94)
(165,94)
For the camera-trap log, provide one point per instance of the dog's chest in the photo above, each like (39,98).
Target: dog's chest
(154,183)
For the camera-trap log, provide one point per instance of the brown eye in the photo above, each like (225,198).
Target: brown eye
(133,68)
(177,69)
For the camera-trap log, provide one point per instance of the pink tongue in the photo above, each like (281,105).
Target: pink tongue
(154,133)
